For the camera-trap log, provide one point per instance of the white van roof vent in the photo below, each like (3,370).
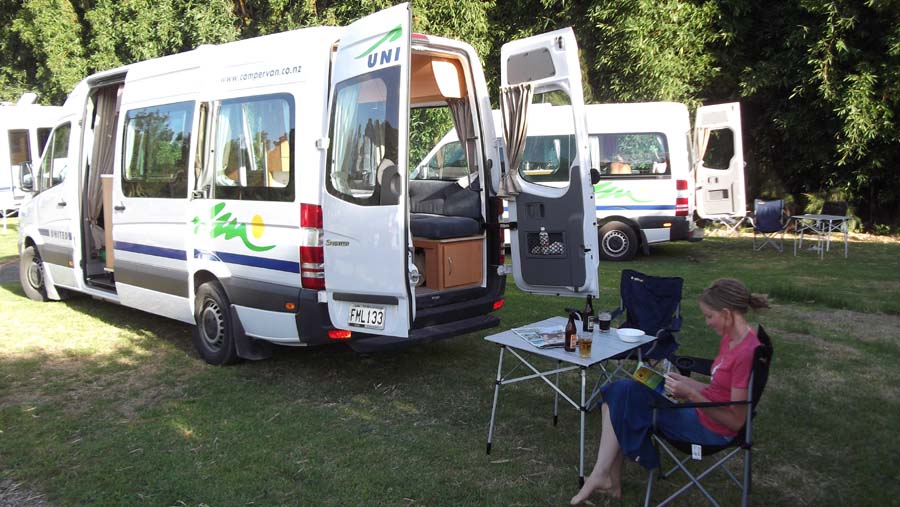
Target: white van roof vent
(27,98)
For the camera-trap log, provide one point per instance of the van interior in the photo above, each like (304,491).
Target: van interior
(96,211)
(446,209)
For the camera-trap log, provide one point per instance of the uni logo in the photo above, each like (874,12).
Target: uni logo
(223,224)
(385,55)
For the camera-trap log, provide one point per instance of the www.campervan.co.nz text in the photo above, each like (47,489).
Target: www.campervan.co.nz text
(262,74)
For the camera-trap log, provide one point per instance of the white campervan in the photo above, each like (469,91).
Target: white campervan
(651,180)
(259,190)
(24,128)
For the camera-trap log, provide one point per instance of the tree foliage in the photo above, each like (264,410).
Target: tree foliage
(817,79)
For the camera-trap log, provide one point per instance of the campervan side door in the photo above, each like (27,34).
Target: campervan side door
(554,241)
(364,205)
(719,152)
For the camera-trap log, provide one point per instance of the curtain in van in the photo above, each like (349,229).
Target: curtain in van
(702,141)
(106,113)
(465,131)
(514,102)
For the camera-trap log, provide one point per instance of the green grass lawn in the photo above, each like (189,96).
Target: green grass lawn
(102,405)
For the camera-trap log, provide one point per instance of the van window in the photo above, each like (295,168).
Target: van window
(631,155)
(449,162)
(254,148)
(55,165)
(547,158)
(719,149)
(19,150)
(42,135)
(362,155)
(157,143)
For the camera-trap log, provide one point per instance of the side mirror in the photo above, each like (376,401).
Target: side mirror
(26,178)
(595,176)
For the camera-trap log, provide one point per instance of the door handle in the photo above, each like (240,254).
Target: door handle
(119,207)
(61,203)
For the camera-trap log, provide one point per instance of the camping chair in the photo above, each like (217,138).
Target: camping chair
(768,221)
(743,441)
(653,305)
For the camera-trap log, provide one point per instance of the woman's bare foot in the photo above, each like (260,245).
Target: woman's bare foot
(597,484)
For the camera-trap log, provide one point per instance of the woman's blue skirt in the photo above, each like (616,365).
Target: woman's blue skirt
(631,413)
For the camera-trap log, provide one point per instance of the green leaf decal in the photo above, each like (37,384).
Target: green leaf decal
(225,225)
(391,36)
(607,190)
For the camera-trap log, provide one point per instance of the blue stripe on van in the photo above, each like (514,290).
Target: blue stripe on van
(244,260)
(259,262)
(637,207)
(169,253)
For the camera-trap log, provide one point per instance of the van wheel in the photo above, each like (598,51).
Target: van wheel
(618,242)
(31,274)
(213,335)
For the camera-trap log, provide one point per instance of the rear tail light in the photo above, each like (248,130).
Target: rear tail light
(312,253)
(681,199)
(339,334)
(499,304)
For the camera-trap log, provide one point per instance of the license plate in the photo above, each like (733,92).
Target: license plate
(369,317)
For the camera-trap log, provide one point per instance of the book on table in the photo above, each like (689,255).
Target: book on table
(543,337)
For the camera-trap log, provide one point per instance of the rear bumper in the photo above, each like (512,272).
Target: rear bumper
(424,335)
(681,228)
(466,313)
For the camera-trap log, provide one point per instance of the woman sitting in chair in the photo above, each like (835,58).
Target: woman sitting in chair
(627,406)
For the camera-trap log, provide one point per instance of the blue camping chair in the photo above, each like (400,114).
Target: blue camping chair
(768,221)
(742,443)
(653,305)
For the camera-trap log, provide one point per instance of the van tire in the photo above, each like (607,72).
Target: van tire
(31,274)
(618,242)
(213,334)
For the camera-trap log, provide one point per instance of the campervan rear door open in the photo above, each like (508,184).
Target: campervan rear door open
(364,205)
(554,239)
(719,152)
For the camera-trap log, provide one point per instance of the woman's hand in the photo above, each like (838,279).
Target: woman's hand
(680,387)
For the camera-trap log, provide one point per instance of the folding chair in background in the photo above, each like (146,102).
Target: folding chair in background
(653,305)
(743,441)
(768,220)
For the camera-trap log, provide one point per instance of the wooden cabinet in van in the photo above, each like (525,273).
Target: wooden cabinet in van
(451,263)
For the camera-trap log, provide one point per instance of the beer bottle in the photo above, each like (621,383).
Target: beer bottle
(571,342)
(587,317)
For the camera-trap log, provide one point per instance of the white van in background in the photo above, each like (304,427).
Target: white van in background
(259,191)
(652,183)
(24,129)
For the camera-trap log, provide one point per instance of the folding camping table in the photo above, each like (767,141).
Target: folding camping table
(821,226)
(603,348)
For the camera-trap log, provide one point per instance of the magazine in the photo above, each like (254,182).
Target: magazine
(650,377)
(543,337)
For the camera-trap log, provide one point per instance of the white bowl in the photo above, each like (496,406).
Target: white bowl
(627,334)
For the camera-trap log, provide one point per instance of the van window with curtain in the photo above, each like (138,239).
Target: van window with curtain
(547,159)
(719,149)
(157,147)
(253,154)
(19,150)
(362,155)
